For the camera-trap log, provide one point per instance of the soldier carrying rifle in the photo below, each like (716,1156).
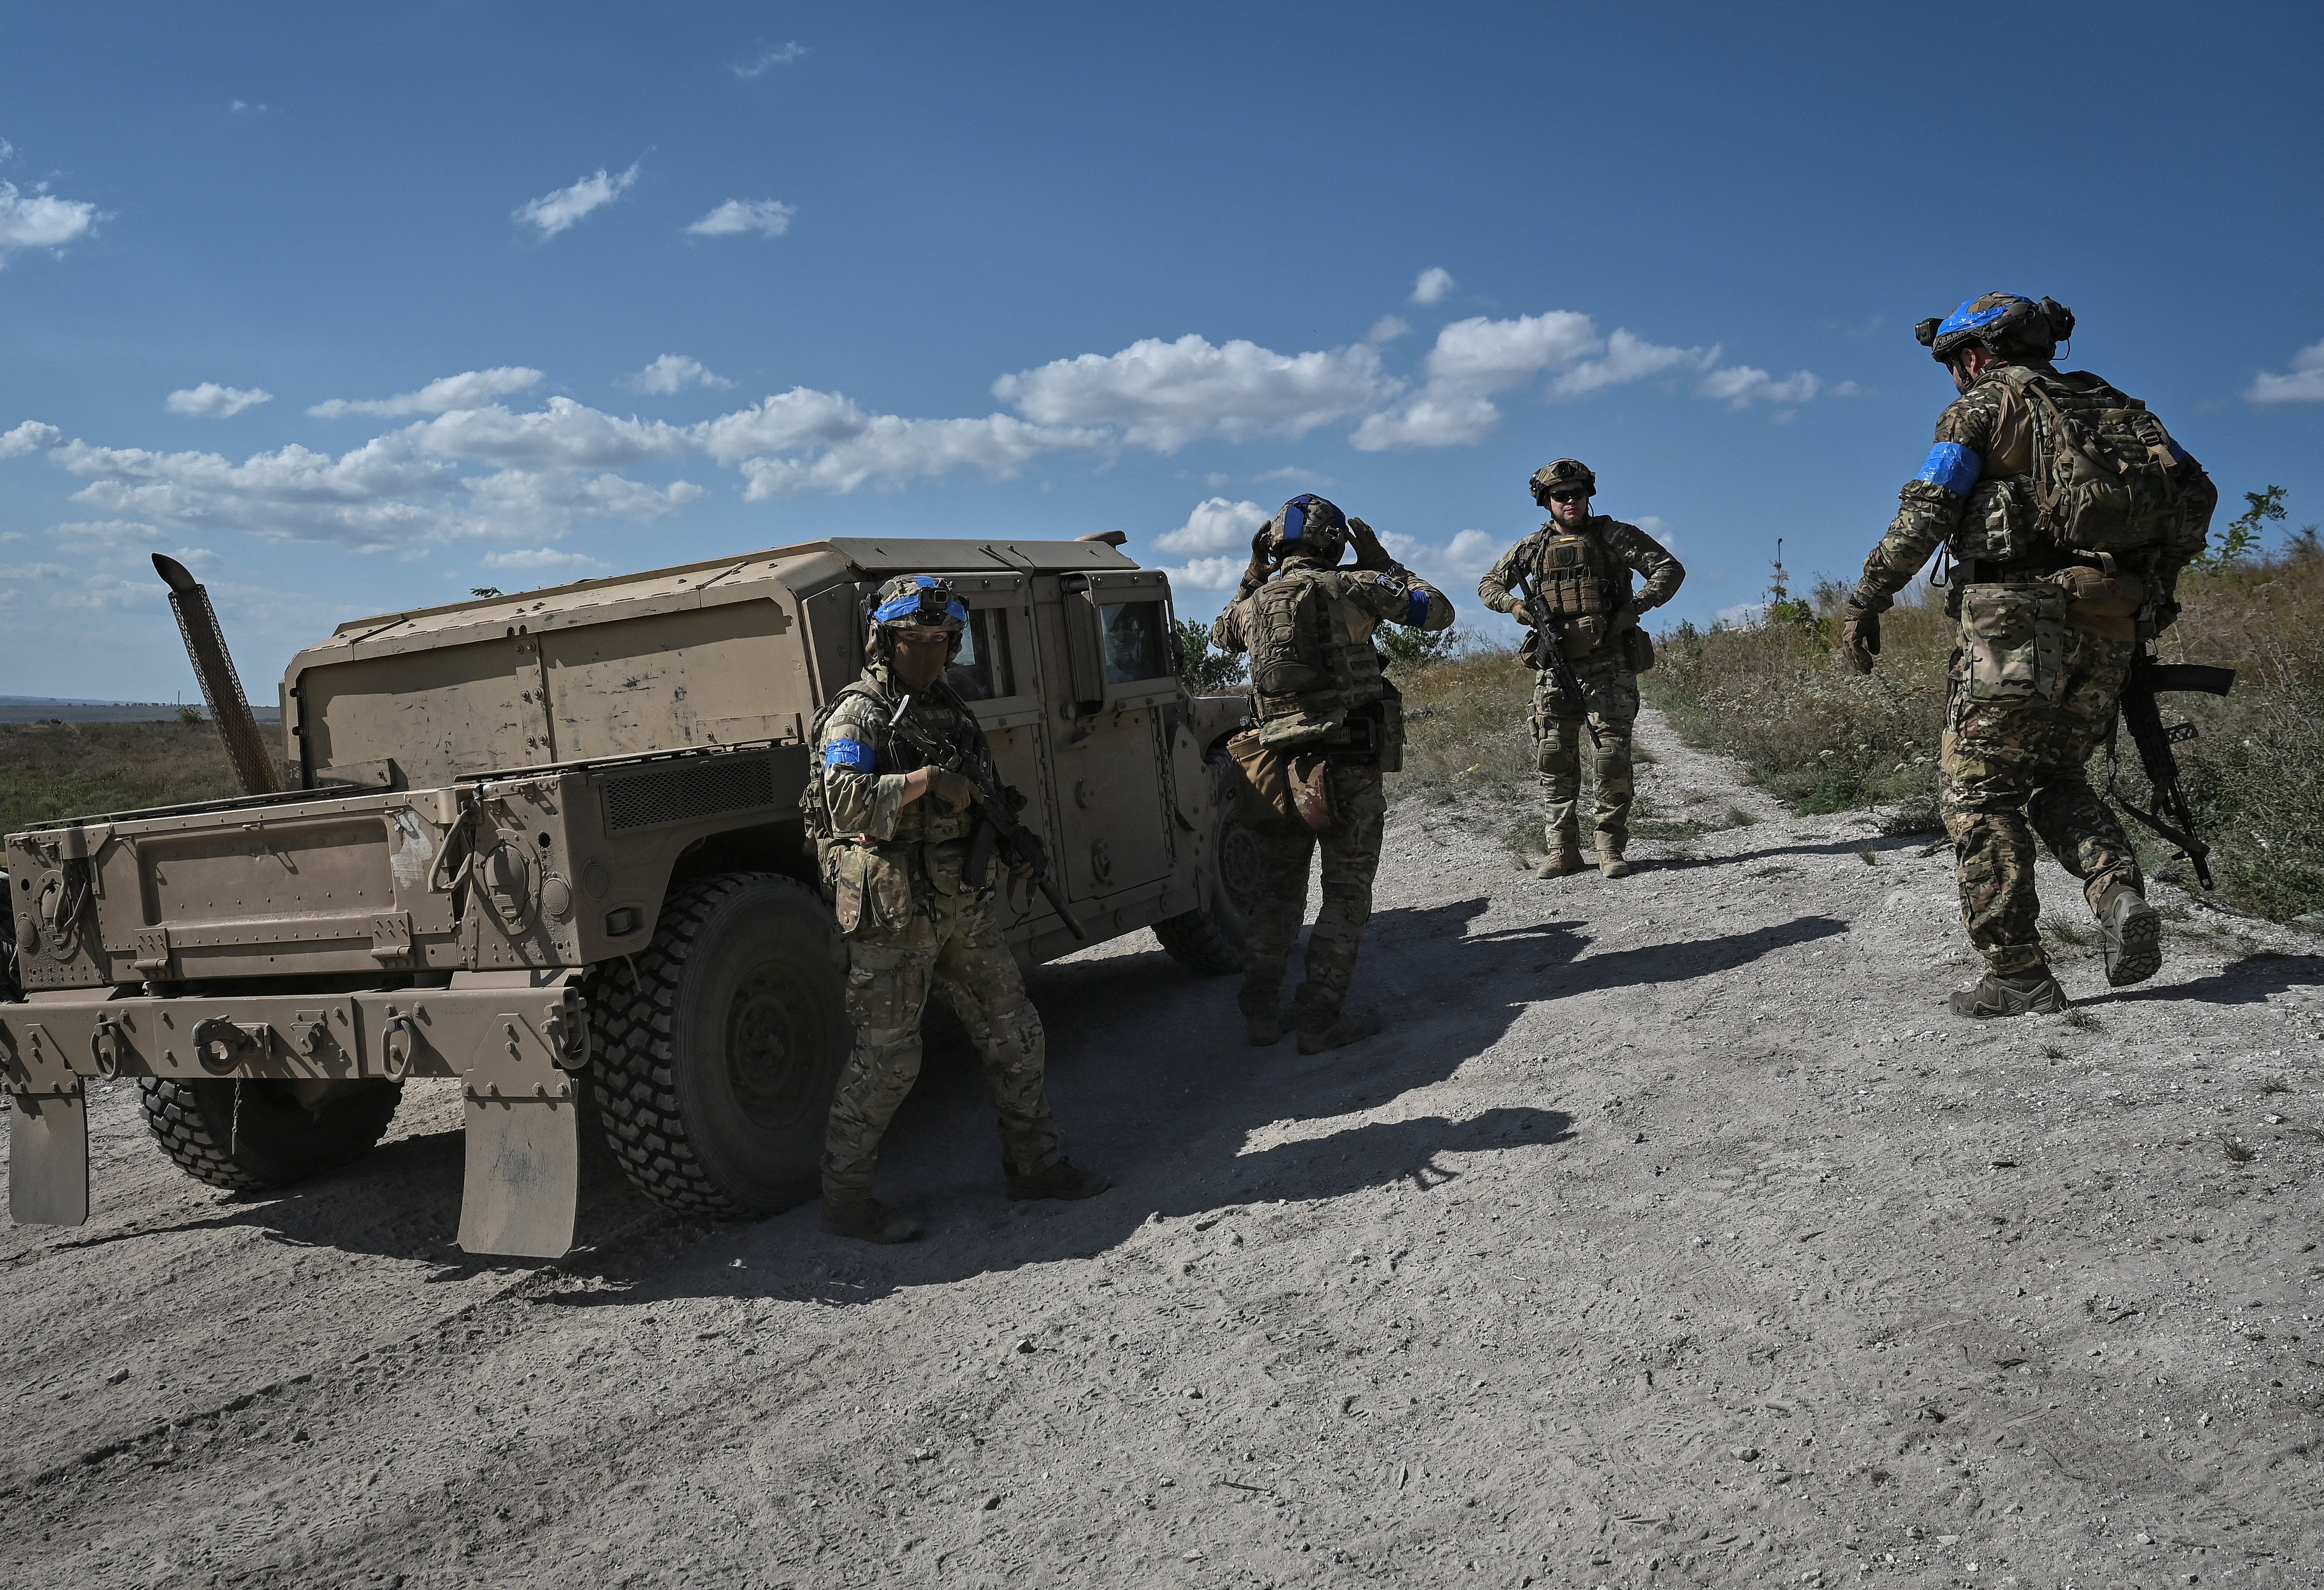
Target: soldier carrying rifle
(2069,511)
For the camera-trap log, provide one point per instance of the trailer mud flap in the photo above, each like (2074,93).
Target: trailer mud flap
(47,1159)
(523,1176)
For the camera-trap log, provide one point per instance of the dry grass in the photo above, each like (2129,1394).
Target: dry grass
(1777,697)
(51,770)
(1466,722)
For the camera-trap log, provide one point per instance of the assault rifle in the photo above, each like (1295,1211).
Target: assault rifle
(2144,716)
(999,827)
(1549,643)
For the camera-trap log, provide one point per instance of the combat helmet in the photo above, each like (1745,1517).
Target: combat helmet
(1309,526)
(917,601)
(1563,472)
(2005,322)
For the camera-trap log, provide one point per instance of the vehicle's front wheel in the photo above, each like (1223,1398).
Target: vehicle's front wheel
(1209,940)
(717,1057)
(244,1133)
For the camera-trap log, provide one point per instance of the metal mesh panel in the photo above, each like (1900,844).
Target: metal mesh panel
(679,794)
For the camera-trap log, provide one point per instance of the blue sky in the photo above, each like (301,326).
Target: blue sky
(356,308)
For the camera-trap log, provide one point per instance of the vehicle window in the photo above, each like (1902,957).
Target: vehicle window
(982,670)
(1133,641)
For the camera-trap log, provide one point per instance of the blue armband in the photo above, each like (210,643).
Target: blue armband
(848,754)
(1415,611)
(1952,466)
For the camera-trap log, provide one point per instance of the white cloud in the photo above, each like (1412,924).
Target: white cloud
(1435,285)
(469,390)
(1166,395)
(1490,354)
(1441,414)
(555,212)
(1742,615)
(209,401)
(783,56)
(1741,385)
(1626,359)
(1387,328)
(2303,384)
(674,373)
(40,220)
(562,435)
(805,440)
(538,560)
(1216,525)
(244,107)
(30,436)
(769,218)
(1207,574)
(112,534)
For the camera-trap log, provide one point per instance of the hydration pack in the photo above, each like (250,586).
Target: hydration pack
(2106,474)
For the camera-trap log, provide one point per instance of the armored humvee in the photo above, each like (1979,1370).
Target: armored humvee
(550,846)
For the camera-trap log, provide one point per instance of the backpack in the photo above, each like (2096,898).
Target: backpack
(1289,629)
(2106,474)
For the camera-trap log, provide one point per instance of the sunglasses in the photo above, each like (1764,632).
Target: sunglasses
(1569,496)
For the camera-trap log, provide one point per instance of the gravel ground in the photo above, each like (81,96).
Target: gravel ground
(1670,1235)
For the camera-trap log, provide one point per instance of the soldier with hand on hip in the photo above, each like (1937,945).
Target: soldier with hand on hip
(1570,581)
(894,826)
(1329,723)
(2059,570)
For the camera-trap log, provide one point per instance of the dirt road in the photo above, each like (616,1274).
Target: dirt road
(1669,1236)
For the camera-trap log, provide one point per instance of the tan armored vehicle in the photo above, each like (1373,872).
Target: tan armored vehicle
(549,847)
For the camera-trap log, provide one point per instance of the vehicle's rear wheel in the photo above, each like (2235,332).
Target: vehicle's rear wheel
(716,1057)
(1209,940)
(244,1133)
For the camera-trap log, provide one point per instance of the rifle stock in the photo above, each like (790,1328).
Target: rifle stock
(2143,715)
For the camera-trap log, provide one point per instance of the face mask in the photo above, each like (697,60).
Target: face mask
(919,664)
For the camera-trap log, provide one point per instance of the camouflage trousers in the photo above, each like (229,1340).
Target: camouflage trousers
(1350,851)
(1610,701)
(952,942)
(2012,766)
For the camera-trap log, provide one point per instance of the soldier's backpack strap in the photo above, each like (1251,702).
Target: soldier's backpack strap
(814,808)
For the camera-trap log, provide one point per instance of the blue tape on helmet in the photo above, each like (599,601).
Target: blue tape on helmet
(1952,466)
(1295,520)
(901,607)
(848,754)
(1965,319)
(1415,609)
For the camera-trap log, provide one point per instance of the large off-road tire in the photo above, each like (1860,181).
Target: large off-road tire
(716,1057)
(244,1133)
(1209,940)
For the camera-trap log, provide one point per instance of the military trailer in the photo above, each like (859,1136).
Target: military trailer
(549,847)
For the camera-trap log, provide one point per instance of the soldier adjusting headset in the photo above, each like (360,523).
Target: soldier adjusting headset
(1310,521)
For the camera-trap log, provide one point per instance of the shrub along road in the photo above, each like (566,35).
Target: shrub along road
(1670,1235)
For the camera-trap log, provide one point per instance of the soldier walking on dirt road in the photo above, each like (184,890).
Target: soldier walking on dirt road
(1577,569)
(1329,723)
(2061,573)
(895,831)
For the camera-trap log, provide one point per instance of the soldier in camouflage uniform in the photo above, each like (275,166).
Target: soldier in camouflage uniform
(897,823)
(1324,704)
(2053,601)
(1579,564)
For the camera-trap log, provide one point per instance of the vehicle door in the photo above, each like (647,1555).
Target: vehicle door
(1113,772)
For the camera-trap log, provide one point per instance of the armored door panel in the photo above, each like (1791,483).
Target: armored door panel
(720,675)
(440,713)
(1111,805)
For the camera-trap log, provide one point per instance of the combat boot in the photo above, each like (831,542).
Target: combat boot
(1559,864)
(2023,994)
(1063,1180)
(1611,863)
(866,1219)
(2134,938)
(1264,1029)
(1351,1028)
